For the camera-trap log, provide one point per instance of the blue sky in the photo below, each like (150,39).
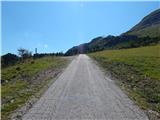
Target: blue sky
(58,26)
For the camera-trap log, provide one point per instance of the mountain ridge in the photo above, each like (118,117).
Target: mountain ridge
(146,32)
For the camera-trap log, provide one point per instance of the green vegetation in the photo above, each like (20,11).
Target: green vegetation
(19,84)
(138,72)
(148,26)
(9,59)
(152,31)
(113,42)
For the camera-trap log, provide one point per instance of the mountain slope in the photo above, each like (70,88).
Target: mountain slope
(144,33)
(149,26)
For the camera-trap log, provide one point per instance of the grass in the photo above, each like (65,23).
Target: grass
(138,72)
(30,67)
(17,87)
(152,31)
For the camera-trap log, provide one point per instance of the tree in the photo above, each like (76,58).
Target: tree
(24,53)
(9,59)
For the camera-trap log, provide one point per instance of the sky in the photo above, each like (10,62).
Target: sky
(58,26)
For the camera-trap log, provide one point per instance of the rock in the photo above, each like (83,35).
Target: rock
(12,101)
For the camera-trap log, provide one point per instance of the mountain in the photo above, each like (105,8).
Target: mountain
(148,26)
(146,32)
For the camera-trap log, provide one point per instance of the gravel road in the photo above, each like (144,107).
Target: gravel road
(84,92)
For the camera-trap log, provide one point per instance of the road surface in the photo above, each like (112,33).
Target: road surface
(83,92)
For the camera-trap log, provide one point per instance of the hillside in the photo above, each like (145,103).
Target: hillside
(144,33)
(148,26)
(137,71)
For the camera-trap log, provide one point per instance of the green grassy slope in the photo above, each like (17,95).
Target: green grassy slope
(152,31)
(18,84)
(138,72)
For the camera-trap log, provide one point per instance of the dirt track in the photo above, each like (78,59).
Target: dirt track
(83,92)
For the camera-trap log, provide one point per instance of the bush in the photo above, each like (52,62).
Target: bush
(9,59)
